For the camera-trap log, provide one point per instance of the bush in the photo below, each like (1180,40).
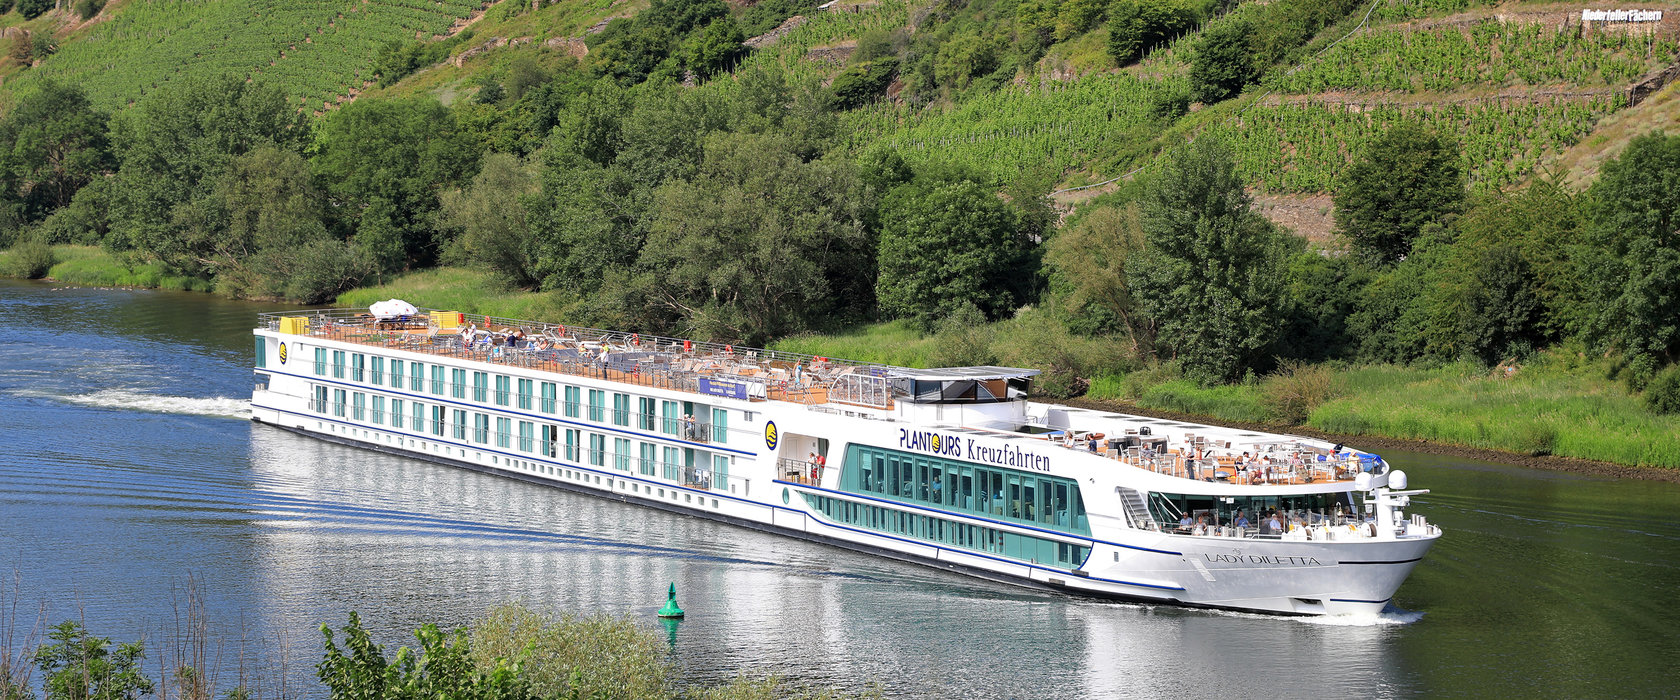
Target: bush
(1295,389)
(1662,395)
(34,8)
(861,83)
(29,259)
(593,657)
(86,9)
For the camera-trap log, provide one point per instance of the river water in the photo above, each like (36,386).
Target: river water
(132,474)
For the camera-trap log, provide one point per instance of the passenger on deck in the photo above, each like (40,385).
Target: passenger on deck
(1274,525)
(1091,444)
(467,336)
(1242,520)
(1201,526)
(1185,522)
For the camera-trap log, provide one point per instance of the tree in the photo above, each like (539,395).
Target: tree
(1403,180)
(173,147)
(79,666)
(1136,26)
(396,154)
(51,145)
(715,49)
(1632,266)
(946,243)
(1211,274)
(1223,63)
(1091,257)
(30,9)
(862,83)
(491,217)
(760,244)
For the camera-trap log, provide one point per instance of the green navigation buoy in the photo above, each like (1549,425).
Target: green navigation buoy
(671,609)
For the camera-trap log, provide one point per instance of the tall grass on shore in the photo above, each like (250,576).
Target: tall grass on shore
(1555,405)
(93,266)
(892,343)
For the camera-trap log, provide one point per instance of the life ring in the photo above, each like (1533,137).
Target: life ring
(562,331)
(729,350)
(688,345)
(635,339)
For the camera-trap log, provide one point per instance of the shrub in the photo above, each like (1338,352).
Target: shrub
(1536,439)
(1295,389)
(861,83)
(30,259)
(1662,395)
(590,657)
(34,8)
(86,9)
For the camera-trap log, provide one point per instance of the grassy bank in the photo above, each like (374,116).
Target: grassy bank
(457,289)
(1554,405)
(95,267)
(894,343)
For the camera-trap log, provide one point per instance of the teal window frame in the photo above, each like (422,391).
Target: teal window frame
(481,386)
(376,410)
(504,426)
(481,428)
(549,397)
(621,454)
(598,449)
(320,362)
(597,405)
(720,425)
(572,399)
(358,405)
(416,376)
(524,394)
(358,363)
(504,385)
(262,352)
(396,413)
(396,374)
(621,409)
(376,370)
(527,436)
(338,364)
(1008,495)
(646,416)
(458,383)
(437,379)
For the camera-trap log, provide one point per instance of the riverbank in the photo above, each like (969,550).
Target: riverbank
(92,266)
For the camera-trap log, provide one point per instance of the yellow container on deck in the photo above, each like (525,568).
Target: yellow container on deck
(446,319)
(295,325)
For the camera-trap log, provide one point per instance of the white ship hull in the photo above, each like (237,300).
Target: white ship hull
(1089,547)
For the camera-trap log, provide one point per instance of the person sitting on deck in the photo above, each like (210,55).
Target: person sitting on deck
(1185,522)
(467,336)
(1242,520)
(1274,525)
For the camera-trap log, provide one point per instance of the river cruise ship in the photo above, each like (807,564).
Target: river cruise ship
(952,468)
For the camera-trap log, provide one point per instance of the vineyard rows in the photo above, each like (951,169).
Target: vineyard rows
(1047,124)
(824,28)
(314,50)
(1302,148)
(1490,53)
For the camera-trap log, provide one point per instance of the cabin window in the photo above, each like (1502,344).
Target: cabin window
(548,397)
(572,401)
(458,383)
(504,428)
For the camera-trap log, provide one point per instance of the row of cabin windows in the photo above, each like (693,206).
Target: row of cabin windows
(928,528)
(648,459)
(525,394)
(1004,494)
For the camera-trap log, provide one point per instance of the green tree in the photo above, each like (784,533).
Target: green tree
(1632,265)
(759,244)
(490,214)
(1321,293)
(1211,274)
(173,147)
(52,143)
(79,666)
(946,243)
(268,235)
(1136,26)
(441,667)
(862,83)
(715,49)
(1090,257)
(30,9)
(389,159)
(1402,181)
(1223,63)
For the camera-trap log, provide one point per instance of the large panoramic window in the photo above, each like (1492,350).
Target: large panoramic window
(1004,494)
(979,538)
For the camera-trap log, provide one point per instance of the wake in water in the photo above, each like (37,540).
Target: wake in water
(130,400)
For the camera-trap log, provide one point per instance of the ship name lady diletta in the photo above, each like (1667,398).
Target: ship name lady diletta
(953,468)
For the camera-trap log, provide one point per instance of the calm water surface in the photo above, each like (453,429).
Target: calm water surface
(130,469)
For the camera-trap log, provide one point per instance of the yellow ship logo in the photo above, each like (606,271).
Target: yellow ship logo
(770,435)
(282,353)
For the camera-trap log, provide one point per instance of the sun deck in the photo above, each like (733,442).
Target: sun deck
(711,369)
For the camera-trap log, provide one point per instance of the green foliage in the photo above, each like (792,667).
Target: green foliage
(1631,268)
(397,58)
(945,244)
(759,243)
(491,219)
(863,82)
(29,259)
(79,666)
(1090,259)
(575,657)
(766,15)
(1491,52)
(715,49)
(314,52)
(1137,26)
(1662,395)
(1211,271)
(30,9)
(173,149)
(441,667)
(1402,181)
(381,162)
(1292,392)
(1224,61)
(51,145)
(86,9)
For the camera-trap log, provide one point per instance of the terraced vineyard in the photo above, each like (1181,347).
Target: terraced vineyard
(1059,126)
(315,50)
(1489,53)
(1301,148)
